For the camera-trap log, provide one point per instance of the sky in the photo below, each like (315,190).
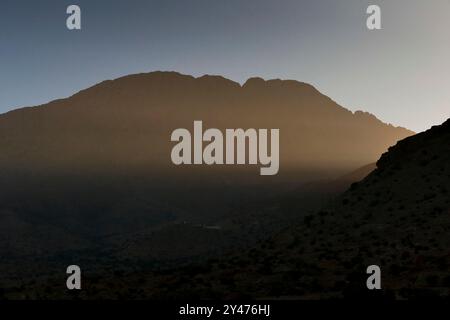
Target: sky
(400,73)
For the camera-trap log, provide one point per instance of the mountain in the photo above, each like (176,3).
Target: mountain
(99,161)
(90,177)
(398,218)
(123,127)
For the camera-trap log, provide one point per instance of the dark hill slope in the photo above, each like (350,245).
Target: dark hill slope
(398,218)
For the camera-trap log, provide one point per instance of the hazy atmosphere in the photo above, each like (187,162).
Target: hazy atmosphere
(400,73)
(207,150)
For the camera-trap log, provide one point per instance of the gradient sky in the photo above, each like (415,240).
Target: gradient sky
(400,73)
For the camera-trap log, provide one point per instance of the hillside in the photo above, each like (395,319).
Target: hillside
(397,218)
(90,178)
(122,127)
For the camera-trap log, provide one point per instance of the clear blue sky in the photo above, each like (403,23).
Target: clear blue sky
(400,73)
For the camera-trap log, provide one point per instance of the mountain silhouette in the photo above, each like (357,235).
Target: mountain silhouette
(90,177)
(123,127)
(99,161)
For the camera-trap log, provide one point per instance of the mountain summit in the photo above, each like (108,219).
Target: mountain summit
(123,126)
(90,177)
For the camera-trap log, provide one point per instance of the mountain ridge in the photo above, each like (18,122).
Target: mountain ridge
(112,120)
(255,81)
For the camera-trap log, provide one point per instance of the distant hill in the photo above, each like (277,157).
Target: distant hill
(122,128)
(98,162)
(90,177)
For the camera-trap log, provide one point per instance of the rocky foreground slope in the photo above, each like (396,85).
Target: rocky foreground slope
(398,218)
